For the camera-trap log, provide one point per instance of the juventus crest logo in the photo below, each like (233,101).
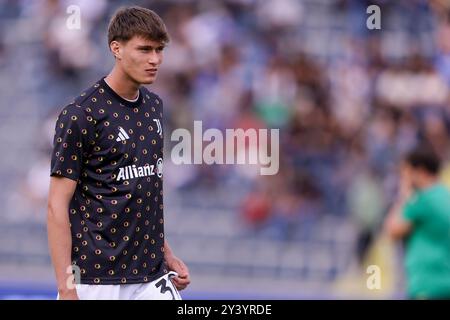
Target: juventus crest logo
(158,124)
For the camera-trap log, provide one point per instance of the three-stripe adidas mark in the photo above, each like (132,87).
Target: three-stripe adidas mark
(122,135)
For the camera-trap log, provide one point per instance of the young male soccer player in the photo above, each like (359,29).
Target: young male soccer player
(421,216)
(105,207)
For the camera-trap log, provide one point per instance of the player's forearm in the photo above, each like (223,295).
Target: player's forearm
(60,243)
(402,197)
(394,225)
(167,250)
(395,211)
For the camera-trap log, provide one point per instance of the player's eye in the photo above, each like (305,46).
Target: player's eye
(159,49)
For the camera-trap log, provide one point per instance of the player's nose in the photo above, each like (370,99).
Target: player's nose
(153,58)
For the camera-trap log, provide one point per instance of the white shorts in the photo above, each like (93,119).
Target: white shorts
(159,289)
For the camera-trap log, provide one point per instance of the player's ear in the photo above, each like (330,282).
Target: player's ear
(114,46)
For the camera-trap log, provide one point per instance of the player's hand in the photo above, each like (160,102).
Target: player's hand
(70,294)
(183,279)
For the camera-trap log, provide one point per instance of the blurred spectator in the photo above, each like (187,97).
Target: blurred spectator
(366,209)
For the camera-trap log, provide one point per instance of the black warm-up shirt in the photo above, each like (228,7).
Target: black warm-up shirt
(113,148)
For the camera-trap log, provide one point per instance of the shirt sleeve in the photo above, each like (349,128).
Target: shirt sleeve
(73,132)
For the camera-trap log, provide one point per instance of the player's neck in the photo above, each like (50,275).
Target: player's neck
(122,85)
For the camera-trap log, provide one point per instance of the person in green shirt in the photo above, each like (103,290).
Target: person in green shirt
(421,216)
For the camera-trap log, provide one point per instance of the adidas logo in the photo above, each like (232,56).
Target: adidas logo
(122,135)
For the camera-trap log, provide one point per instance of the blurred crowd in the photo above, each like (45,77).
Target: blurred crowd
(349,101)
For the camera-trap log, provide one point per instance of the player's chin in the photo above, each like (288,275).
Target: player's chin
(148,79)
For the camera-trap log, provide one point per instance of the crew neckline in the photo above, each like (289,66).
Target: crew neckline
(134,100)
(128,103)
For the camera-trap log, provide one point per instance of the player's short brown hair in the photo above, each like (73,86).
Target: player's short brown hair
(128,22)
(423,156)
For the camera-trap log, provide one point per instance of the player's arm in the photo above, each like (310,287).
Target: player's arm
(175,264)
(395,225)
(59,234)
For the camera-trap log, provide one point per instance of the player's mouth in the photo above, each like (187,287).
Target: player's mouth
(152,71)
